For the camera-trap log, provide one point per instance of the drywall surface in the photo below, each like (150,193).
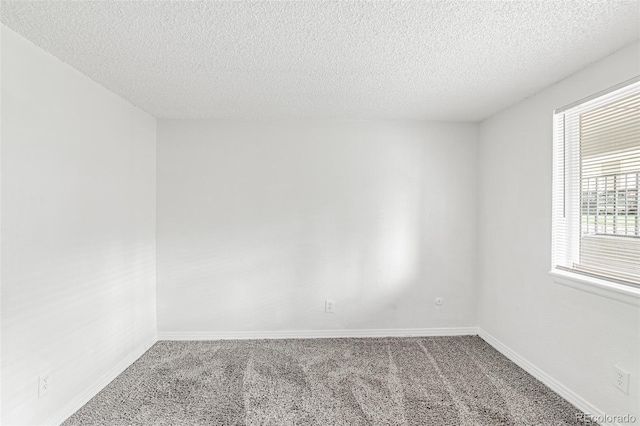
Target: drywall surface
(574,336)
(78,224)
(259,223)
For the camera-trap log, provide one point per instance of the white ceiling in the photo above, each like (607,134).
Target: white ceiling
(437,60)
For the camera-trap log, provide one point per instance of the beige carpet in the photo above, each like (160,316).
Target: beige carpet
(389,381)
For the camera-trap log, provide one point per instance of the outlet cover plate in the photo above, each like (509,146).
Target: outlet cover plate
(44,385)
(621,379)
(329,306)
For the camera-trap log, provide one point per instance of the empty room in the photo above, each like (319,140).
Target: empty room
(320,212)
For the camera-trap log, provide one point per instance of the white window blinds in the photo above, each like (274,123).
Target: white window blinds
(596,225)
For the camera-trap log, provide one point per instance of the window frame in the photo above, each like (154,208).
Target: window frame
(597,285)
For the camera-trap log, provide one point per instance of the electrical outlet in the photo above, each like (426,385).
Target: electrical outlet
(44,385)
(329,306)
(621,379)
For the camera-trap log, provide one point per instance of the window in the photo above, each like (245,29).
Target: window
(596,225)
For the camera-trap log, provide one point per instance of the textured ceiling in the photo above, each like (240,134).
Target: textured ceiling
(438,60)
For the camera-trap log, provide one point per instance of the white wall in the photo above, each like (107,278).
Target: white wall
(258,224)
(78,223)
(574,336)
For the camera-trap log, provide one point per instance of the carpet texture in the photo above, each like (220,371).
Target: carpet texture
(386,381)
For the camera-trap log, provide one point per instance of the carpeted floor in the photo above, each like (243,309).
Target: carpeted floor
(388,381)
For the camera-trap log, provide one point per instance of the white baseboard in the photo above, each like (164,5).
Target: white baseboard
(316,334)
(575,399)
(74,405)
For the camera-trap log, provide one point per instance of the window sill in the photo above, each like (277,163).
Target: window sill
(615,291)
